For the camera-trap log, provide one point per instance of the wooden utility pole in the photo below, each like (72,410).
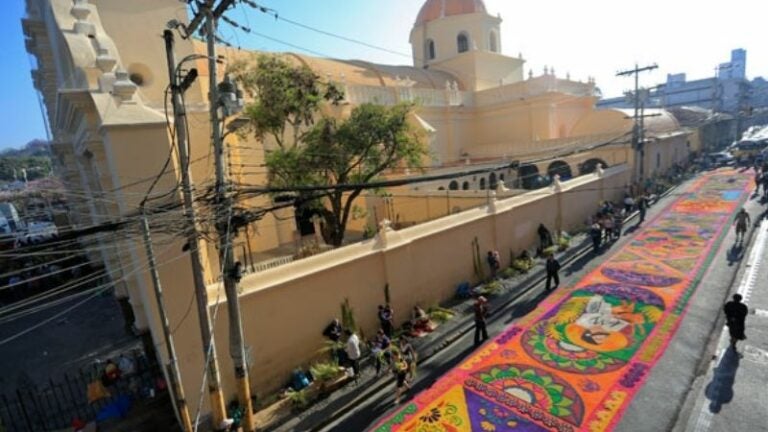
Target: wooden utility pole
(636,133)
(180,401)
(226,230)
(216,396)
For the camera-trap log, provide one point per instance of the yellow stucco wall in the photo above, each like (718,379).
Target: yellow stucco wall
(304,296)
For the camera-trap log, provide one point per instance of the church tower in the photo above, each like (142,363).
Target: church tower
(461,38)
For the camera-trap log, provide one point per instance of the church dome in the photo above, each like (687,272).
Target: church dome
(436,9)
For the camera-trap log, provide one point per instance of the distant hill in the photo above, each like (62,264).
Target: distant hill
(34,157)
(34,148)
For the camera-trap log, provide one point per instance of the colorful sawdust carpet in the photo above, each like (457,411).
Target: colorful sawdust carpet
(577,365)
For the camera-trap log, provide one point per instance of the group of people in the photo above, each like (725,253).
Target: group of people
(607,224)
(397,354)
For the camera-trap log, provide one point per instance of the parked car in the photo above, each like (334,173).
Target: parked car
(38,232)
(721,159)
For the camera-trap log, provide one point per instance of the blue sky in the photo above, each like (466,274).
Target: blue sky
(19,108)
(587,38)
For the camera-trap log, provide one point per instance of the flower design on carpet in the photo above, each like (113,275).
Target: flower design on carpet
(640,273)
(531,386)
(596,330)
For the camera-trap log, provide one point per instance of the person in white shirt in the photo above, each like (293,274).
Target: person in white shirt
(353,351)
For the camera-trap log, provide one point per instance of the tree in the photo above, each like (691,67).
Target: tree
(317,149)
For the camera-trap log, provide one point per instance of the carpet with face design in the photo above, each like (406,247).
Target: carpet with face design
(576,362)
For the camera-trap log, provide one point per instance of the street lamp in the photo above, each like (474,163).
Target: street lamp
(230,97)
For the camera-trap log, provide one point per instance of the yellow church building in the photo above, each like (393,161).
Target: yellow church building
(101,69)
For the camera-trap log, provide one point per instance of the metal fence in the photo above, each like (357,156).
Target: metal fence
(55,404)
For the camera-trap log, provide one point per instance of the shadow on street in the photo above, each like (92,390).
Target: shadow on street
(735,253)
(527,307)
(719,391)
(382,402)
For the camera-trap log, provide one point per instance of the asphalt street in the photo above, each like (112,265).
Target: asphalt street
(731,394)
(665,397)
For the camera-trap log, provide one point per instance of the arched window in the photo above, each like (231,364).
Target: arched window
(492,182)
(482,183)
(494,42)
(454,185)
(431,54)
(465,186)
(462,41)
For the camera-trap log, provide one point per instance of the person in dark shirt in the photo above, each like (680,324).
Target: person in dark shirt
(553,269)
(493,263)
(735,317)
(481,314)
(333,331)
(386,318)
(642,207)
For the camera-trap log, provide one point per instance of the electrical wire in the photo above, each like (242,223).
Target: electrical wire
(71,308)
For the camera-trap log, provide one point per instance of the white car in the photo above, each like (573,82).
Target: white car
(721,159)
(38,232)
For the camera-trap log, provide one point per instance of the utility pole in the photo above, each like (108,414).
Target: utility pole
(226,231)
(182,409)
(216,396)
(637,144)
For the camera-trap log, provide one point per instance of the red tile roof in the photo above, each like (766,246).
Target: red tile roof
(436,9)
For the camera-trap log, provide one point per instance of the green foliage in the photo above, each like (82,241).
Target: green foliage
(325,371)
(369,232)
(491,288)
(550,250)
(440,315)
(314,149)
(509,272)
(330,346)
(477,260)
(299,399)
(522,265)
(563,241)
(348,316)
(36,167)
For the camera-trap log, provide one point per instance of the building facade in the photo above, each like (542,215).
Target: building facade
(729,91)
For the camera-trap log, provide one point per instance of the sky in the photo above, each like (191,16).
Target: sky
(585,38)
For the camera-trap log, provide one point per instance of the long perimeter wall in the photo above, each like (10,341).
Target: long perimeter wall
(286,309)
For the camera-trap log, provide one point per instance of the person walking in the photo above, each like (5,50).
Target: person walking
(353,352)
(553,271)
(741,222)
(380,348)
(493,263)
(629,203)
(481,314)
(758,179)
(642,207)
(545,238)
(386,316)
(400,369)
(596,233)
(409,355)
(608,228)
(735,318)
(618,223)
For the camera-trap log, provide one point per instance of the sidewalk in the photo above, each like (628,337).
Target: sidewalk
(369,387)
(732,395)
